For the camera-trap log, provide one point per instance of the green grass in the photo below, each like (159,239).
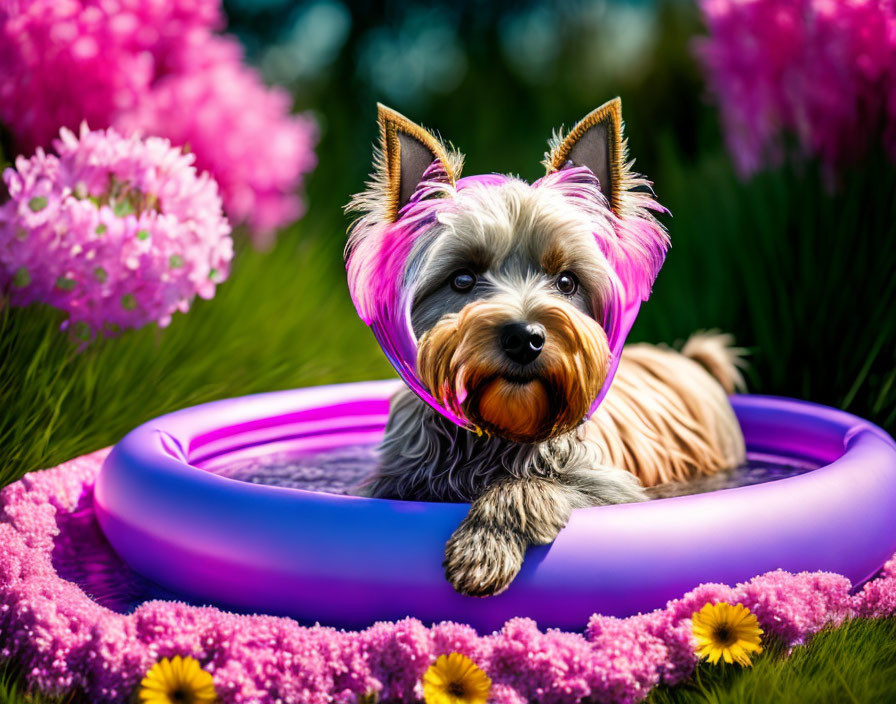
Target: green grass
(14,691)
(283,320)
(801,273)
(855,663)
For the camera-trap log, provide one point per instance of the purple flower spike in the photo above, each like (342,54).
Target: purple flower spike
(820,71)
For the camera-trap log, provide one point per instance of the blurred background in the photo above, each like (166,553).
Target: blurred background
(764,126)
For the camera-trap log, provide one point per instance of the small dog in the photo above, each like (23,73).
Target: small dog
(514,295)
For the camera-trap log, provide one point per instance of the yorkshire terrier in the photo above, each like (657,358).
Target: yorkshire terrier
(504,306)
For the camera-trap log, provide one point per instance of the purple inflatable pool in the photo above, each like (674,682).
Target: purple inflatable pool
(350,561)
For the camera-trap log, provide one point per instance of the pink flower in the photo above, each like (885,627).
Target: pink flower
(117,232)
(793,607)
(878,597)
(240,130)
(821,71)
(156,67)
(63,62)
(398,654)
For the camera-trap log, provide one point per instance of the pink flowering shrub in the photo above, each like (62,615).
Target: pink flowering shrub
(117,232)
(818,71)
(63,62)
(65,639)
(235,125)
(156,67)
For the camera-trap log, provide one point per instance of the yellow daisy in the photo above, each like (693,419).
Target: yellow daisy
(177,681)
(455,679)
(727,632)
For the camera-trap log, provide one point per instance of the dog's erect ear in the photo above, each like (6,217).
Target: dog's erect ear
(408,151)
(596,142)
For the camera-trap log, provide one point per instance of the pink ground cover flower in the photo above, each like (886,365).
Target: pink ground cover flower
(156,66)
(63,638)
(117,232)
(820,72)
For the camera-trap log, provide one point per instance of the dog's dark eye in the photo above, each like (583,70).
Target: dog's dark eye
(463,280)
(567,283)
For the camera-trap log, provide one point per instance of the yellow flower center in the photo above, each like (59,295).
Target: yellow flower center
(455,679)
(177,681)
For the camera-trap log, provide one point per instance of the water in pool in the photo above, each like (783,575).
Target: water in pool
(342,471)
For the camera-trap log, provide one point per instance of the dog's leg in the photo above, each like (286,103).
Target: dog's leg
(486,551)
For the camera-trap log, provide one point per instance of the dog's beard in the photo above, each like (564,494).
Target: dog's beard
(460,362)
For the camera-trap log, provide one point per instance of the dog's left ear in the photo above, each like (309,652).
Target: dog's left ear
(408,152)
(596,142)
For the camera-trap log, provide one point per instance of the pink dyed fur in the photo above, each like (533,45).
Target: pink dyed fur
(635,245)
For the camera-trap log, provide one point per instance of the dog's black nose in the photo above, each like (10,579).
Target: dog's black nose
(522,342)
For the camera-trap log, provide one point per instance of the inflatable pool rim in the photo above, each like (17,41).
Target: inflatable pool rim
(351,561)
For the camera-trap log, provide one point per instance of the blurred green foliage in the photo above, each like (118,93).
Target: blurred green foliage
(801,274)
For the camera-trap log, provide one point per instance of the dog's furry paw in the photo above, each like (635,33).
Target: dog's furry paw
(482,561)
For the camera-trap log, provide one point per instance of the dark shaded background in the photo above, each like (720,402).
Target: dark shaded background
(800,273)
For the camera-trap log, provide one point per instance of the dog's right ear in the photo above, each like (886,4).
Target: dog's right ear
(408,152)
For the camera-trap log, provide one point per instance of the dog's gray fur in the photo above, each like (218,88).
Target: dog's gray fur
(521,493)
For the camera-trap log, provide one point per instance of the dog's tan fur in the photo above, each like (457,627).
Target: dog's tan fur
(667,415)
(459,353)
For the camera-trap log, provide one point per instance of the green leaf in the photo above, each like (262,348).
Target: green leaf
(37,203)
(123,208)
(22,278)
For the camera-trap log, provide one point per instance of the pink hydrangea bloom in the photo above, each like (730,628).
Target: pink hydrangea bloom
(117,232)
(63,638)
(240,130)
(821,71)
(156,66)
(67,61)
